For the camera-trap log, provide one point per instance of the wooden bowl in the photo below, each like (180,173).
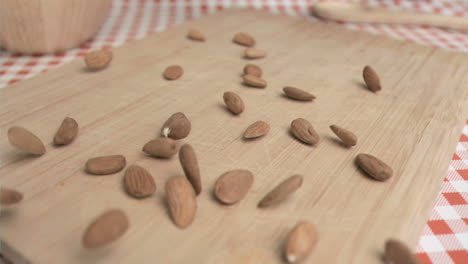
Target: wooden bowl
(46,26)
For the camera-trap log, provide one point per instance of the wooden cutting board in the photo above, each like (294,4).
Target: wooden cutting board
(413,125)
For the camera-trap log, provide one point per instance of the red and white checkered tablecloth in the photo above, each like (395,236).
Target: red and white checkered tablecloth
(445,236)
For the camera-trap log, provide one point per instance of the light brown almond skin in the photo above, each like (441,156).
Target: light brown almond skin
(253,53)
(196,35)
(105,229)
(67,132)
(298,94)
(374,167)
(301,242)
(189,162)
(304,131)
(106,164)
(398,253)
(282,191)
(161,148)
(26,141)
(173,72)
(254,81)
(244,39)
(181,200)
(371,78)
(9,197)
(347,137)
(253,69)
(98,59)
(233,103)
(138,182)
(257,129)
(233,186)
(176,127)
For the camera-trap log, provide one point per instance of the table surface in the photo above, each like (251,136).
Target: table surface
(445,236)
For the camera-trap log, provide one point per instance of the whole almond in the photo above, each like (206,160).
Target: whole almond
(106,164)
(348,137)
(253,69)
(176,127)
(374,167)
(196,35)
(181,201)
(98,59)
(301,242)
(372,79)
(253,53)
(26,141)
(398,253)
(138,182)
(298,94)
(189,163)
(244,39)
(282,191)
(161,148)
(9,197)
(304,131)
(257,129)
(232,186)
(233,102)
(254,81)
(67,132)
(105,229)
(173,72)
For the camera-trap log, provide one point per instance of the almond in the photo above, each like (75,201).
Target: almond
(189,163)
(9,197)
(253,53)
(244,39)
(105,229)
(348,137)
(282,191)
(372,79)
(173,72)
(177,126)
(138,182)
(257,129)
(67,132)
(253,69)
(181,201)
(232,186)
(98,59)
(233,102)
(301,242)
(254,81)
(374,167)
(161,148)
(298,94)
(26,141)
(398,253)
(194,34)
(304,131)
(106,164)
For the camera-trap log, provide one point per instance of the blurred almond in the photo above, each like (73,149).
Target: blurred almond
(181,201)
(253,69)
(233,186)
(138,182)
(398,253)
(301,242)
(67,132)
(304,131)
(254,81)
(257,129)
(161,148)
(233,102)
(9,197)
(244,39)
(189,162)
(176,127)
(374,167)
(372,79)
(106,164)
(105,229)
(98,59)
(173,72)
(282,191)
(298,94)
(253,53)
(348,137)
(194,34)
(26,141)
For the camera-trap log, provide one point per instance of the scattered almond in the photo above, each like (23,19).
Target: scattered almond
(253,69)
(9,197)
(26,141)
(282,191)
(189,162)
(374,167)
(233,102)
(253,53)
(257,129)
(194,34)
(138,182)
(173,72)
(232,186)
(348,137)
(67,132)
(181,201)
(244,39)
(254,81)
(105,229)
(106,164)
(298,94)
(161,148)
(301,242)
(98,59)
(398,253)
(304,131)
(176,127)
(372,79)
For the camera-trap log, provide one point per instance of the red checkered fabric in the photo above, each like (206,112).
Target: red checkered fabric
(445,237)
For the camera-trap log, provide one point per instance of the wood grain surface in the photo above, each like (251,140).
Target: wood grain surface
(413,124)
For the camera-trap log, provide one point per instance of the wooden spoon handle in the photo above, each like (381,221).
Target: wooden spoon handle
(351,12)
